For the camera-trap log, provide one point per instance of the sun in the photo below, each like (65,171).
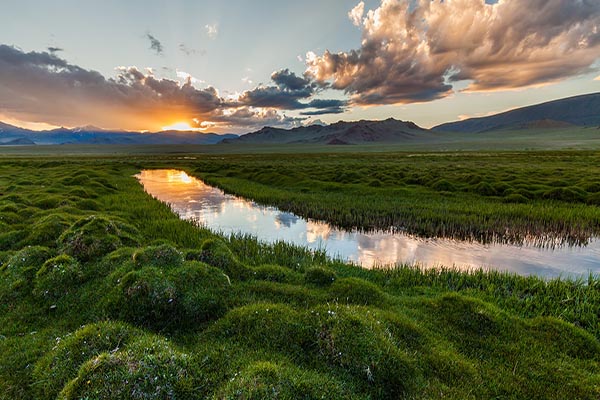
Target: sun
(179,126)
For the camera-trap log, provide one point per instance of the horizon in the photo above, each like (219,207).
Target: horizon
(95,129)
(196,66)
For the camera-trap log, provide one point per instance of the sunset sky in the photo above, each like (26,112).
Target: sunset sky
(235,66)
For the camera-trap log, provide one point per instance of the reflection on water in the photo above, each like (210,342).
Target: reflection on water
(192,199)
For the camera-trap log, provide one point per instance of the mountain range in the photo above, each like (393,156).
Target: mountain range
(572,111)
(564,113)
(578,111)
(12,135)
(339,133)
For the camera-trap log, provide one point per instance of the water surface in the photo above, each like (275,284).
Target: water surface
(193,199)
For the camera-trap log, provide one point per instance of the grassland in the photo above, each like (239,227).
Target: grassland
(576,138)
(549,197)
(104,293)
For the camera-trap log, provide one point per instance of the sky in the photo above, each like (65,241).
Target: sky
(236,66)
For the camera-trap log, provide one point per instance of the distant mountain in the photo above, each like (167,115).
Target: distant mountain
(340,133)
(9,128)
(572,111)
(12,135)
(21,141)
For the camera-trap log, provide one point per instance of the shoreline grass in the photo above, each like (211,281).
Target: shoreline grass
(548,198)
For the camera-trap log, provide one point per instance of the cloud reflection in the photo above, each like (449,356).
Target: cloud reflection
(192,199)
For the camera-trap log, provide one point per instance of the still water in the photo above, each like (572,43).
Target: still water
(193,199)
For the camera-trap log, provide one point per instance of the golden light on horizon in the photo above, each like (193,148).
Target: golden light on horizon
(179,126)
(34,126)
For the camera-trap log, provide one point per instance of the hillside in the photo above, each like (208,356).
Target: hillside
(12,135)
(339,133)
(579,111)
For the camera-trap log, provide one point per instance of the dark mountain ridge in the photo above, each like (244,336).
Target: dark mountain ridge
(359,132)
(581,110)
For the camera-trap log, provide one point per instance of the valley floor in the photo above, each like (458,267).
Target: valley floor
(105,293)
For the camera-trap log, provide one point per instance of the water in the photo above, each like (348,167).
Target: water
(193,199)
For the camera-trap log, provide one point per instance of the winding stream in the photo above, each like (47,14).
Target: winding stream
(193,199)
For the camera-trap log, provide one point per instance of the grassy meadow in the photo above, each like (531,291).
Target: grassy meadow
(105,293)
(550,197)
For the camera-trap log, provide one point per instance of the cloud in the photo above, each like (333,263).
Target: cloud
(289,80)
(212,30)
(290,92)
(414,51)
(324,106)
(357,13)
(42,87)
(188,51)
(187,77)
(273,97)
(155,44)
(249,118)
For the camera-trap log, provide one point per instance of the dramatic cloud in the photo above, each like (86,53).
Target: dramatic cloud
(288,80)
(42,87)
(188,77)
(287,93)
(413,51)
(323,107)
(275,97)
(212,30)
(155,44)
(249,118)
(357,13)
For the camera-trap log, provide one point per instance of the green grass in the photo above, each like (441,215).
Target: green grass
(105,293)
(549,197)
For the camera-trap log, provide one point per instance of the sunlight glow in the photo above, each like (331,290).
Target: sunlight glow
(176,177)
(179,126)
(34,126)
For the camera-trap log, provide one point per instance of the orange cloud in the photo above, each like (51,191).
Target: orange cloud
(43,88)
(40,87)
(414,51)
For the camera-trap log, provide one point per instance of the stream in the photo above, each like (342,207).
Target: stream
(192,199)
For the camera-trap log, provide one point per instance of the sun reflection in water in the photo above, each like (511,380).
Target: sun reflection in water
(193,199)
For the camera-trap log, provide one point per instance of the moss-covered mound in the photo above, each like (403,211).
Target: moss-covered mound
(319,276)
(349,339)
(19,271)
(69,353)
(216,253)
(48,229)
(174,298)
(96,236)
(269,380)
(162,256)
(113,361)
(57,277)
(357,291)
